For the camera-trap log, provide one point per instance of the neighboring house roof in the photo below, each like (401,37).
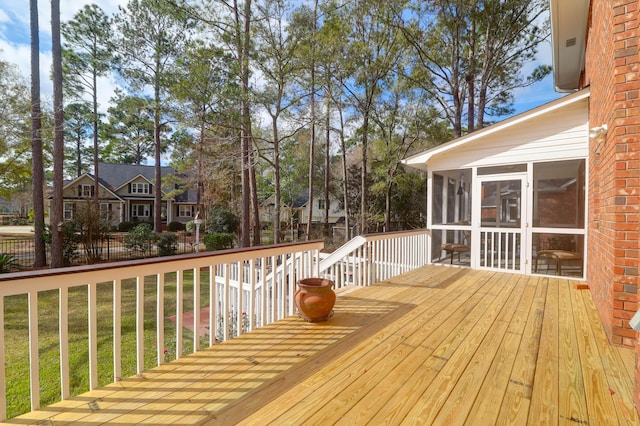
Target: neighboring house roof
(119,174)
(420,160)
(569,37)
(101,182)
(301,201)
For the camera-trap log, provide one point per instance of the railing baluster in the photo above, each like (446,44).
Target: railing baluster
(63,330)
(273,298)
(239,305)
(160,319)
(179,311)
(34,363)
(292,285)
(212,304)
(225,299)
(139,324)
(117,330)
(252,294)
(196,309)
(263,292)
(92,288)
(3,373)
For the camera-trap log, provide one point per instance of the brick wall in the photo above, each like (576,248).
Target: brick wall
(612,69)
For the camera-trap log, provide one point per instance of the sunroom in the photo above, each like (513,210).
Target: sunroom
(512,196)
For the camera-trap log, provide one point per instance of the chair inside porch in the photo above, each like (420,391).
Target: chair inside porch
(437,345)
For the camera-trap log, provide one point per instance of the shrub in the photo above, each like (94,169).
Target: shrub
(168,244)
(223,221)
(70,241)
(218,241)
(176,226)
(126,226)
(7,263)
(141,239)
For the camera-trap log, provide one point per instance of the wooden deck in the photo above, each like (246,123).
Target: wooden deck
(438,345)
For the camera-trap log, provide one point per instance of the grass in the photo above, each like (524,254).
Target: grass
(17,337)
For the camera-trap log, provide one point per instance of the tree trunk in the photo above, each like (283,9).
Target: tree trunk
(36,142)
(245,124)
(57,259)
(96,172)
(364,227)
(327,153)
(257,230)
(345,186)
(276,168)
(313,121)
(157,203)
(471,75)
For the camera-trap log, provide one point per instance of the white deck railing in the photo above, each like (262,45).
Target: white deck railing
(246,289)
(256,305)
(369,259)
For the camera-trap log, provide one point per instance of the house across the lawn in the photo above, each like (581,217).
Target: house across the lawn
(126,194)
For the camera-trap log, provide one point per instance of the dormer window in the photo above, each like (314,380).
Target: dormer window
(140,188)
(86,191)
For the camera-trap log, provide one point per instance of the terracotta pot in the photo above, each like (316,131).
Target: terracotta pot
(315,299)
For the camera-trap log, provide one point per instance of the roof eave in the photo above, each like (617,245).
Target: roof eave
(568,35)
(420,160)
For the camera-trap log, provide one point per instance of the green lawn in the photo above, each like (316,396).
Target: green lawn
(17,337)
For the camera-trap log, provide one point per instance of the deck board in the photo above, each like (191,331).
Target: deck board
(439,345)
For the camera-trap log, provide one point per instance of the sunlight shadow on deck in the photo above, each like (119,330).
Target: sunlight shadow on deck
(225,376)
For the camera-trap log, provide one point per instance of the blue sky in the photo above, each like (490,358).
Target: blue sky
(15,37)
(14,48)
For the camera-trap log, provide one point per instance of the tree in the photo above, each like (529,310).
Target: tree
(277,45)
(57,246)
(204,85)
(15,132)
(375,45)
(151,35)
(129,130)
(78,125)
(86,56)
(468,54)
(36,142)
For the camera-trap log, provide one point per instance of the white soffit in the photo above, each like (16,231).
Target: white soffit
(419,161)
(568,36)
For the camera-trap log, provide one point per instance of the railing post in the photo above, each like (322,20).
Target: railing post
(63,325)
(34,363)
(239,306)
(3,376)
(225,300)
(160,318)
(93,334)
(212,304)
(139,324)
(196,309)
(117,330)
(179,311)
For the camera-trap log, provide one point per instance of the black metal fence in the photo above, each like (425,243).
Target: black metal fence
(108,250)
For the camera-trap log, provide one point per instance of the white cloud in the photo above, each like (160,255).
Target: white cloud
(15,47)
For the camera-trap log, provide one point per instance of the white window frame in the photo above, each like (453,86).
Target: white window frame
(86,190)
(146,210)
(184,208)
(105,212)
(68,211)
(140,188)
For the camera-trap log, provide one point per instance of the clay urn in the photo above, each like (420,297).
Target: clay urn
(315,299)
